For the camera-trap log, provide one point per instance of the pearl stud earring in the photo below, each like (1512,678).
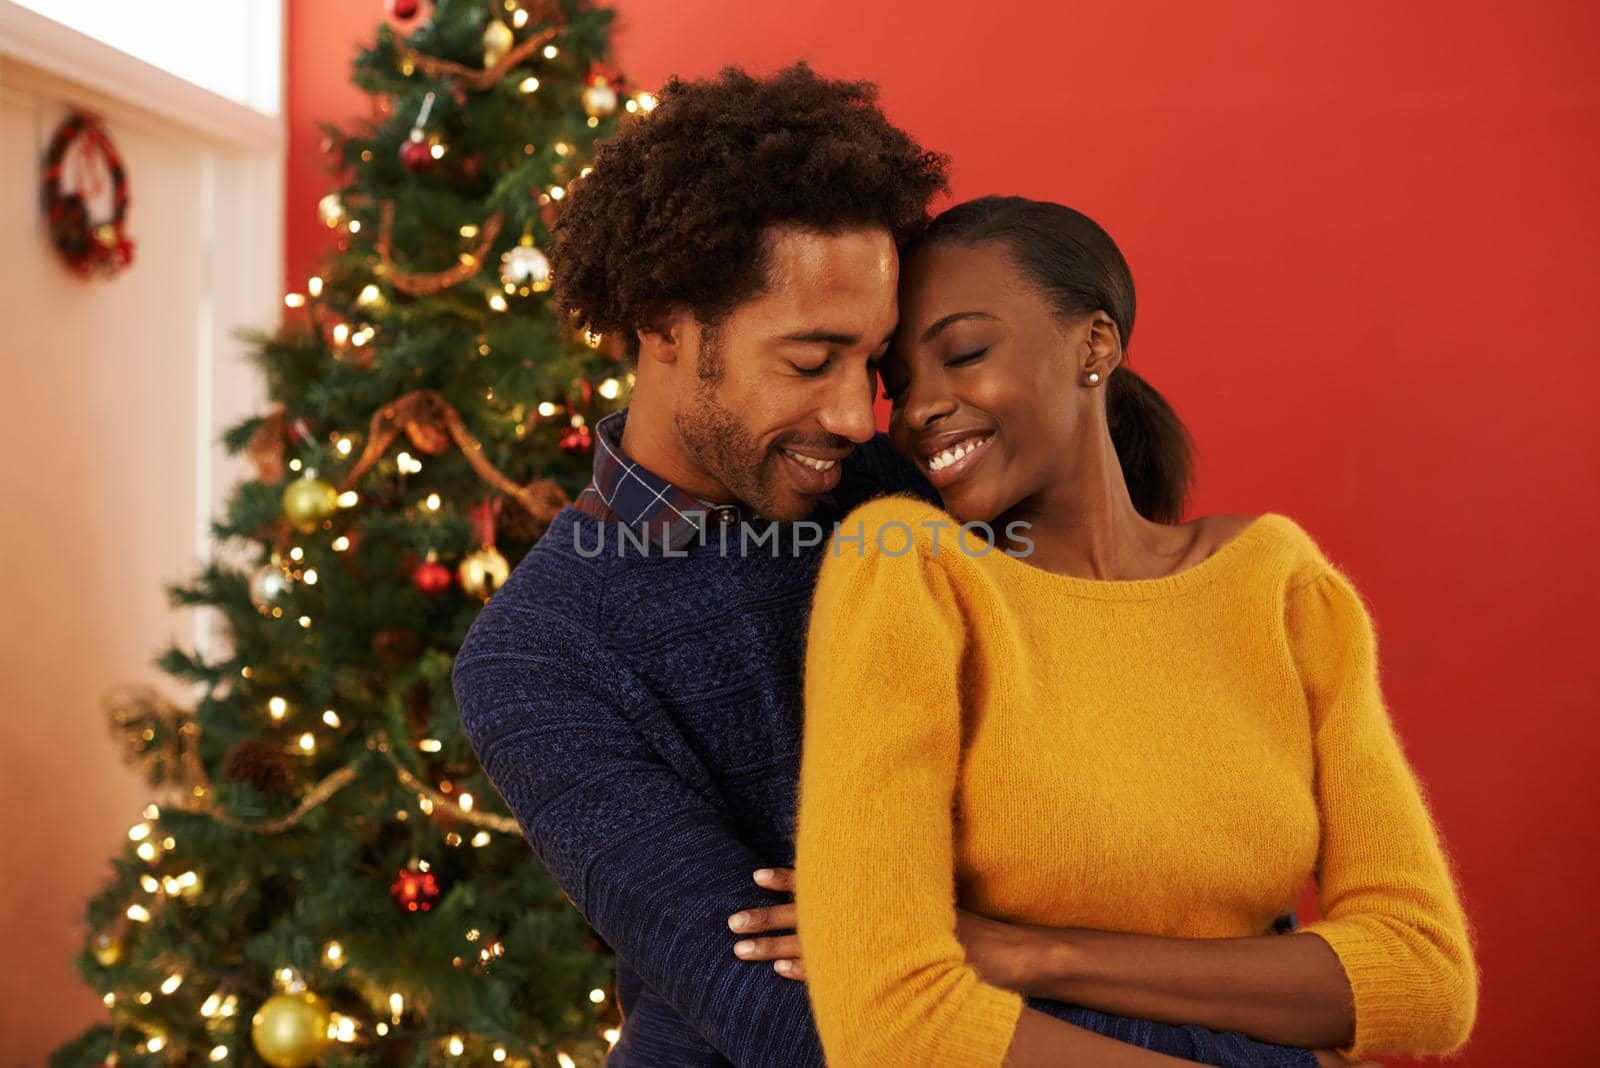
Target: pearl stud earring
(1094,378)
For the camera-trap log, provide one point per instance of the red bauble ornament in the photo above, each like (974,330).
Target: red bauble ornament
(417,156)
(415,890)
(431,577)
(404,10)
(577,440)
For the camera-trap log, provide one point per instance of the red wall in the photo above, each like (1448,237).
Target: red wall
(1364,239)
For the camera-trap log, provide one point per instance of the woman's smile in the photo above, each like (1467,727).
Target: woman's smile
(947,458)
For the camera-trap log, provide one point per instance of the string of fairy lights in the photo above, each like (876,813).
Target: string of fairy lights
(294,1025)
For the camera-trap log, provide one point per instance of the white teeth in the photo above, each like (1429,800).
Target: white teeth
(954,453)
(814,464)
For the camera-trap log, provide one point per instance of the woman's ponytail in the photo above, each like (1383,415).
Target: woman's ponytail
(1079,269)
(1153,446)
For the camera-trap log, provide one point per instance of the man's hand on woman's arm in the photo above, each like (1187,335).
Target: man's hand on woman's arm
(782,950)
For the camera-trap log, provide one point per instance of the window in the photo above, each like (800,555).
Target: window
(234,48)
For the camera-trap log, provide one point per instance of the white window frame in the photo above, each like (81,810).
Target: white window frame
(43,43)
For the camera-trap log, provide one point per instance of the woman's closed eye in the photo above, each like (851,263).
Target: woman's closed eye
(892,393)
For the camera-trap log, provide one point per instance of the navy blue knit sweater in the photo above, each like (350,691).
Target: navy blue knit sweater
(641,717)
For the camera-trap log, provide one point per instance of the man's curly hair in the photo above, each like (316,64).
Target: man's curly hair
(674,212)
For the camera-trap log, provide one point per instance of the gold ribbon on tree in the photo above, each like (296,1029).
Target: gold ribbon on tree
(483,78)
(157,737)
(330,784)
(266,446)
(421,285)
(426,419)
(444,801)
(269,441)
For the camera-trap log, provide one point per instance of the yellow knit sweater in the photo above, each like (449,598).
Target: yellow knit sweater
(1170,756)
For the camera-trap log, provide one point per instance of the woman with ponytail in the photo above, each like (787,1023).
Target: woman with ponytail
(1062,742)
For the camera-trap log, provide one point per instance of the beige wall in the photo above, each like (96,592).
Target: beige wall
(113,396)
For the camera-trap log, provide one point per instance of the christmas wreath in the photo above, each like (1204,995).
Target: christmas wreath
(81,167)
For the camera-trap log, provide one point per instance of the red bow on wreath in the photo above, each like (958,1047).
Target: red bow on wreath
(82,154)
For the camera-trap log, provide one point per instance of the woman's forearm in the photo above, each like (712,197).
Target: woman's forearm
(1042,1041)
(1277,988)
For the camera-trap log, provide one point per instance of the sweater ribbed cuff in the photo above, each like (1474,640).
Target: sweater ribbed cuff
(980,1033)
(1385,1015)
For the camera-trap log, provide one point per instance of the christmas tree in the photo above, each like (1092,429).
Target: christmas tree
(325,876)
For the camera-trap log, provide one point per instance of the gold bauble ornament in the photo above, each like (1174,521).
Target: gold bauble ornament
(600,100)
(483,572)
(107,950)
(308,500)
(497,41)
(291,1030)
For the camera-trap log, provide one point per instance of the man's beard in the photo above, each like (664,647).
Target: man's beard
(726,450)
(724,447)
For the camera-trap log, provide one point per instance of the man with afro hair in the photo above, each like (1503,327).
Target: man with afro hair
(633,691)
(740,241)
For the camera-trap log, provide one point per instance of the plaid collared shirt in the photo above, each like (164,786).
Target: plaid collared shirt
(621,491)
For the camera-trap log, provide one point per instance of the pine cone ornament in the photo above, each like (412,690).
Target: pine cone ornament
(259,764)
(515,524)
(398,644)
